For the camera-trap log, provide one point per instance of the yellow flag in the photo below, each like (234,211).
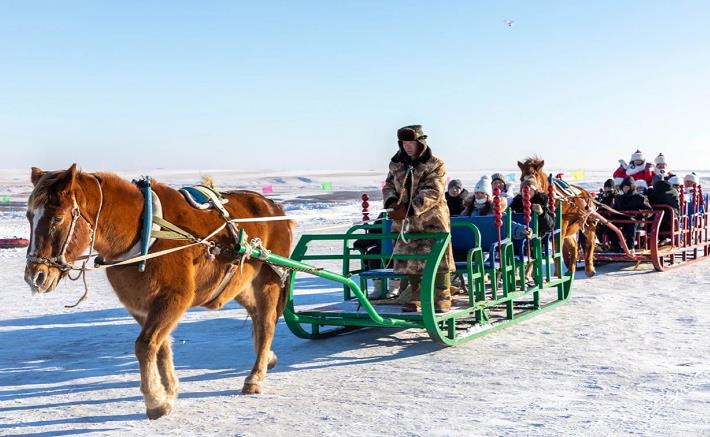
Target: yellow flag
(578,175)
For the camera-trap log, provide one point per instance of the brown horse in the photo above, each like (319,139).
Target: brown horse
(68,209)
(577,208)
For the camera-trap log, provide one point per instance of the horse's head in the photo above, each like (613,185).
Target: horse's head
(59,229)
(531,172)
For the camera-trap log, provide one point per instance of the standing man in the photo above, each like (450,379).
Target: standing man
(414,189)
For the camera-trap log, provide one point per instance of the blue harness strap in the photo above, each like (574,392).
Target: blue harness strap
(144,185)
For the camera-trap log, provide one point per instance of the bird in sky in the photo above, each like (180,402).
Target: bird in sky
(509,23)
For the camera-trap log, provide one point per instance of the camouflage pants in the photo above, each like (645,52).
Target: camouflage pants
(442,281)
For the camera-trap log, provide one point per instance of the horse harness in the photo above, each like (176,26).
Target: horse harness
(206,198)
(568,193)
(156,227)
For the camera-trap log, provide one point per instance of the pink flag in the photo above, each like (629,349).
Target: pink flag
(267,189)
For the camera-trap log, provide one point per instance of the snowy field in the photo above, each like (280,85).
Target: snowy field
(628,354)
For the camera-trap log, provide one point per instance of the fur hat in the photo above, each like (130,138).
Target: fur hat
(637,156)
(675,180)
(692,177)
(455,183)
(412,132)
(660,159)
(484,186)
(500,177)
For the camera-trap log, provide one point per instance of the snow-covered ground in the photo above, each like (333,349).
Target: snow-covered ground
(626,355)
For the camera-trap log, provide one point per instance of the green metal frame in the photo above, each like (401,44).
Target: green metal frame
(488,310)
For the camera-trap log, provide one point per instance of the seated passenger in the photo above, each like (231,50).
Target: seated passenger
(606,197)
(641,187)
(540,206)
(455,196)
(661,171)
(481,204)
(629,200)
(506,189)
(676,183)
(638,168)
(607,194)
(664,194)
(691,180)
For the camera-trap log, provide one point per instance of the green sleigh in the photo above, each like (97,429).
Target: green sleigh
(485,305)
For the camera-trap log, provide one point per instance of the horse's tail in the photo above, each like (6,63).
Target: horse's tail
(283,296)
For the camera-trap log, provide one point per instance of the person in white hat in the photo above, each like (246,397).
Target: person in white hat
(641,186)
(481,204)
(691,180)
(638,168)
(661,169)
(675,182)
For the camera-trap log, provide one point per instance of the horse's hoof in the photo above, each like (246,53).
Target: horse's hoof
(158,412)
(590,273)
(273,359)
(251,388)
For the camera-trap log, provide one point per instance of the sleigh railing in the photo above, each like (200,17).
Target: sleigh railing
(485,305)
(662,237)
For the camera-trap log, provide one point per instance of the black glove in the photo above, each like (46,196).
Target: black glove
(391,201)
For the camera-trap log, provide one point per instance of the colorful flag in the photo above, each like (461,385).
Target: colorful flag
(510,177)
(577,175)
(267,189)
(5,199)
(326,186)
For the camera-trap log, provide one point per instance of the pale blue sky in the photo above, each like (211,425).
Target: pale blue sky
(325,85)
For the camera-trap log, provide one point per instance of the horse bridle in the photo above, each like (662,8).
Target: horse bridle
(60,261)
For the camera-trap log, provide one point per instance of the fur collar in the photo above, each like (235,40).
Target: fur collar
(401,156)
(632,170)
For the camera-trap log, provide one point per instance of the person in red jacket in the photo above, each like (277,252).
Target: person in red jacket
(638,168)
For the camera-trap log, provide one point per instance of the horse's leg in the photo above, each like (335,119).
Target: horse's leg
(167,370)
(264,316)
(166,311)
(590,234)
(570,246)
(165,364)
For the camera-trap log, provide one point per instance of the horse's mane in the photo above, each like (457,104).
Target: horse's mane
(47,184)
(41,191)
(533,161)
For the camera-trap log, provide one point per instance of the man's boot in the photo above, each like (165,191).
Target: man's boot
(442,298)
(413,303)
